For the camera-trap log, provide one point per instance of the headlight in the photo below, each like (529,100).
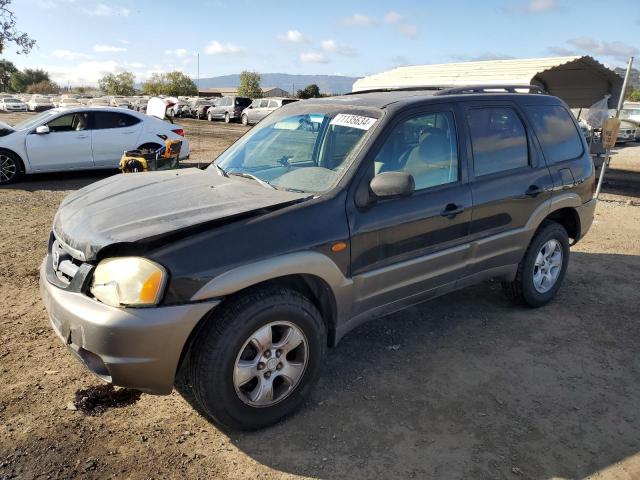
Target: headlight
(128,281)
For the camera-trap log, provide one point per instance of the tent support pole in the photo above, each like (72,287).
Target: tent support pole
(620,105)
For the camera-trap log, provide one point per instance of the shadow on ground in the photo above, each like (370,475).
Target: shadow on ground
(59,181)
(469,386)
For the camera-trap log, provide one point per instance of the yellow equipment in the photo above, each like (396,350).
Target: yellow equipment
(145,160)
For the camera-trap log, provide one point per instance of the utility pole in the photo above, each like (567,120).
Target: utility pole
(198,74)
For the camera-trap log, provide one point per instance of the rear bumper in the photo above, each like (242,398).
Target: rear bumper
(586,212)
(130,347)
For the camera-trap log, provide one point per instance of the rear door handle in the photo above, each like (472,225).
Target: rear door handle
(451,210)
(533,191)
(83,136)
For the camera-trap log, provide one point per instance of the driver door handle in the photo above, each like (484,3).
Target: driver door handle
(82,136)
(451,210)
(533,191)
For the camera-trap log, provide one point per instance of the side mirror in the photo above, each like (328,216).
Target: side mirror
(392,184)
(42,130)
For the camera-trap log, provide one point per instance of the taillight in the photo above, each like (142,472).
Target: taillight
(178,131)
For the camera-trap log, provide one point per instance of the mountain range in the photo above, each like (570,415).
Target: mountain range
(328,83)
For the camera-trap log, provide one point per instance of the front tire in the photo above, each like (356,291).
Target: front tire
(543,268)
(245,120)
(11,168)
(257,359)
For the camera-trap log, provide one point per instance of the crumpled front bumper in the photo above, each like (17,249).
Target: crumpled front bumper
(129,347)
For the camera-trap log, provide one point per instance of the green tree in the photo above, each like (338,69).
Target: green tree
(634,96)
(120,84)
(310,91)
(177,83)
(45,86)
(173,83)
(7,69)
(9,33)
(155,85)
(20,80)
(250,85)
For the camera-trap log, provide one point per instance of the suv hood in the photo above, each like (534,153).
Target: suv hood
(137,206)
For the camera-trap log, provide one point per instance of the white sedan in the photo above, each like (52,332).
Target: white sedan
(11,104)
(79,138)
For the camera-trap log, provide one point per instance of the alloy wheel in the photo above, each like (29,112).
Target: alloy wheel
(547,266)
(270,364)
(8,168)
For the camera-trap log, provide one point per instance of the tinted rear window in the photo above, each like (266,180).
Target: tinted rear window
(556,131)
(498,140)
(103,120)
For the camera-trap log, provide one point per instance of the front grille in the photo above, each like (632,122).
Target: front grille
(64,265)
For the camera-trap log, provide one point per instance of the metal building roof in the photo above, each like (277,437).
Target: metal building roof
(579,81)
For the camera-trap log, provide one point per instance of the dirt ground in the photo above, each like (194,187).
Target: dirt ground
(466,386)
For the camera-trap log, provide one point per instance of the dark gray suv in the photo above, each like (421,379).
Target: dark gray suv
(328,213)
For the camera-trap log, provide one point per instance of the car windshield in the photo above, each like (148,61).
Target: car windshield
(306,152)
(11,100)
(33,121)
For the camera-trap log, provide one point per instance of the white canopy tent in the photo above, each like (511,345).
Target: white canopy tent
(579,81)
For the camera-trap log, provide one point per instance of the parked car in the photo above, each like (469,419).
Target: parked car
(99,102)
(198,109)
(120,102)
(262,107)
(39,103)
(228,108)
(179,109)
(356,206)
(79,138)
(626,132)
(12,104)
(69,102)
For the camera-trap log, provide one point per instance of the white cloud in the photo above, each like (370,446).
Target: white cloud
(359,19)
(617,50)
(407,30)
(217,48)
(69,55)
(293,36)
(539,6)
(108,48)
(103,10)
(179,52)
(392,17)
(313,57)
(332,46)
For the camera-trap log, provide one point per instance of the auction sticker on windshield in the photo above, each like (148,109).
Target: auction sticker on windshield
(353,121)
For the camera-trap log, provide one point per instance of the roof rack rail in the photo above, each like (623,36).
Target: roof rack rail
(491,89)
(396,89)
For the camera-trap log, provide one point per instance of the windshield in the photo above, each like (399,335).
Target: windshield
(305,152)
(11,100)
(33,121)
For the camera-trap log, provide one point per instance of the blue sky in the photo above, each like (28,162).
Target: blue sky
(81,40)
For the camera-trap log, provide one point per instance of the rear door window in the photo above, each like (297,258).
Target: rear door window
(104,120)
(558,135)
(498,140)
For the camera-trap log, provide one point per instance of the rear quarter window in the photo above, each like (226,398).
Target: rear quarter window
(558,135)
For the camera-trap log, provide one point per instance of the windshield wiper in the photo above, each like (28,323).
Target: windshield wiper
(222,171)
(252,177)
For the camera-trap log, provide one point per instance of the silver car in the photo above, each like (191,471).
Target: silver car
(261,107)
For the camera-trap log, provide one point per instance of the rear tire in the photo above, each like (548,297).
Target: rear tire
(234,338)
(227,118)
(543,267)
(11,167)
(209,117)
